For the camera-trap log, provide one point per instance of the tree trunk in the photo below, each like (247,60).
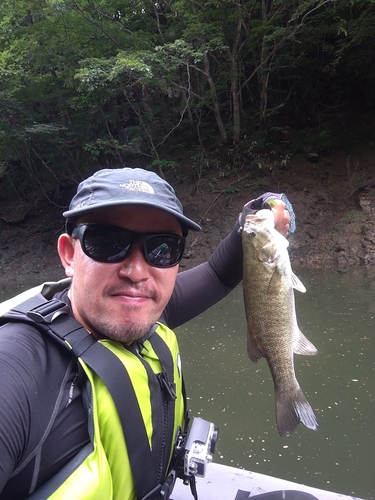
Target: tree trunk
(215,105)
(235,90)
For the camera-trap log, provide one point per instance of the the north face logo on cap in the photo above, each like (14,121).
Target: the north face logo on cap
(142,186)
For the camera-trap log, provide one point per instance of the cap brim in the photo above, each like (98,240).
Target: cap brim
(184,221)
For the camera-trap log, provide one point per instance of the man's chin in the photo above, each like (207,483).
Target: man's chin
(128,334)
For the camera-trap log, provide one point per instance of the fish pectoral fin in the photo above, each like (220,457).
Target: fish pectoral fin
(253,352)
(304,346)
(297,284)
(275,283)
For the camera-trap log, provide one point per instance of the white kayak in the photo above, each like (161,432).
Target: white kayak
(228,483)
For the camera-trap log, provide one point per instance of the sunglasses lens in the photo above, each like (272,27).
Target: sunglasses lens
(106,244)
(164,250)
(110,244)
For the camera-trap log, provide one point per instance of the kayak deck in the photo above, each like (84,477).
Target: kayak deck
(223,482)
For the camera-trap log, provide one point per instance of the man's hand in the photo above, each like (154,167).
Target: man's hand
(282,217)
(285,220)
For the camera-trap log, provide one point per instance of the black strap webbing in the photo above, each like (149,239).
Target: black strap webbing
(58,323)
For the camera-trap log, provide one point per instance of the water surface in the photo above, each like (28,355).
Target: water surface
(337,315)
(225,387)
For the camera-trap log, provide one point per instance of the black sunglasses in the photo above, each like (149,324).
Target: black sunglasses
(113,244)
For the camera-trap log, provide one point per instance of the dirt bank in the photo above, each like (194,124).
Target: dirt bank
(334,201)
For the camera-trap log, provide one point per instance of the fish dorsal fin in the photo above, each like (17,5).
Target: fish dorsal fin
(297,284)
(304,346)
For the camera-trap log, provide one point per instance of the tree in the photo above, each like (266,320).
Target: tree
(85,81)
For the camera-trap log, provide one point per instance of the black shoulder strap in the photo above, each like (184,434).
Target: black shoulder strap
(52,316)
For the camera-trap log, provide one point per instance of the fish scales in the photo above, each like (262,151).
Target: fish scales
(273,332)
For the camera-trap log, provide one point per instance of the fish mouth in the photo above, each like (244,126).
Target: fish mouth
(261,217)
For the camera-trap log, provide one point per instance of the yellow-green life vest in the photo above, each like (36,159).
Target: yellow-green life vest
(102,471)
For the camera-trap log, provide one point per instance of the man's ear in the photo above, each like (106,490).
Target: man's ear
(65,248)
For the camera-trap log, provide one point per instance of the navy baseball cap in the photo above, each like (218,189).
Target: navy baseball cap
(127,186)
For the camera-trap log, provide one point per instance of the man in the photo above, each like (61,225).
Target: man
(61,433)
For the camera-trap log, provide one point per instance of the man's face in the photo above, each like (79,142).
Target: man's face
(121,300)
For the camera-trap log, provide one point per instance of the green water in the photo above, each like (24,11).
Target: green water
(337,315)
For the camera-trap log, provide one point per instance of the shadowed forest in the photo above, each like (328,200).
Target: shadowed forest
(217,96)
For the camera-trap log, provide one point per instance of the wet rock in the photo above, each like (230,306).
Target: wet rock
(369,259)
(370,236)
(367,203)
(313,157)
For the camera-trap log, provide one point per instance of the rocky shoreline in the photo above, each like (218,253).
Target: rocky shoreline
(335,223)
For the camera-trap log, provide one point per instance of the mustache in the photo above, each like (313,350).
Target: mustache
(134,289)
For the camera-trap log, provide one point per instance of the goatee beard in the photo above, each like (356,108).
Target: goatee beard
(123,333)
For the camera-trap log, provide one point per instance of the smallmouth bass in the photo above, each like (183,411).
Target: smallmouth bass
(273,332)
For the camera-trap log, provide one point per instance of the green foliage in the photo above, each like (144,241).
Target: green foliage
(351,216)
(163,165)
(104,81)
(231,190)
(257,185)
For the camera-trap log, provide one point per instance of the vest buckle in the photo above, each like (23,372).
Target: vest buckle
(48,311)
(168,387)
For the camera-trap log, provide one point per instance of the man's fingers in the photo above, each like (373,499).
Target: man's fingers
(282,218)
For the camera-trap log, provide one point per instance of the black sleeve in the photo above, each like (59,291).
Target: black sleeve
(42,420)
(14,408)
(199,288)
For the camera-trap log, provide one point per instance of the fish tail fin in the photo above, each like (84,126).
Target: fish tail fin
(291,409)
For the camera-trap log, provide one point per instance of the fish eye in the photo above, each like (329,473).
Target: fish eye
(252,233)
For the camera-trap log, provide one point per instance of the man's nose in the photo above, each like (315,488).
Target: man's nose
(135,267)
